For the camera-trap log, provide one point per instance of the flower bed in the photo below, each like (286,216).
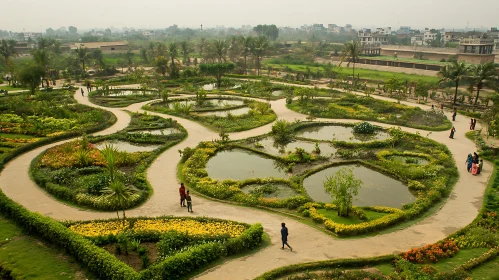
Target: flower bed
(432,252)
(75,171)
(159,225)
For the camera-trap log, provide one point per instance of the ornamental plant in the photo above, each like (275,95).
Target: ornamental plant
(364,128)
(342,187)
(432,252)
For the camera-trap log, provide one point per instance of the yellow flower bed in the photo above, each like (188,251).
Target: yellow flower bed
(192,227)
(95,229)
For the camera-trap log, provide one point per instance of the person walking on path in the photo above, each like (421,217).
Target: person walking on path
(452,131)
(81,89)
(284,236)
(471,124)
(480,166)
(469,162)
(181,191)
(454,115)
(474,124)
(189,202)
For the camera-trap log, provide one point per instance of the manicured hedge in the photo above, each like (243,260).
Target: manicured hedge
(321,265)
(99,261)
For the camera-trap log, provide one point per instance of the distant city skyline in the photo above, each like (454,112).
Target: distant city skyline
(37,16)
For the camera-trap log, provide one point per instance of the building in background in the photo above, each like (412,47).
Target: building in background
(105,47)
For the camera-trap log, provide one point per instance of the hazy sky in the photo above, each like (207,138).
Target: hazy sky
(38,15)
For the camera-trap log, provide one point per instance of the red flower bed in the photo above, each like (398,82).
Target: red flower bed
(432,253)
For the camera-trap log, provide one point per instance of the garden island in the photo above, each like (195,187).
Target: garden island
(274,141)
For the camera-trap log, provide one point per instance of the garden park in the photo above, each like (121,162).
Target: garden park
(369,187)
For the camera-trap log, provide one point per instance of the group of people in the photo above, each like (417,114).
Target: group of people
(474,164)
(186,197)
(472,124)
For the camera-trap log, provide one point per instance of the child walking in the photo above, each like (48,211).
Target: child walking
(189,202)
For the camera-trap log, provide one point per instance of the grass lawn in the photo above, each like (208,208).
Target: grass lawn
(374,75)
(29,258)
(16,136)
(8,88)
(333,215)
(386,268)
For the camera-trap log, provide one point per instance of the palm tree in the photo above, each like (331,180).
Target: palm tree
(220,49)
(246,44)
(7,49)
(482,75)
(129,57)
(351,52)
(173,52)
(185,49)
(83,56)
(98,57)
(454,73)
(202,44)
(259,47)
(118,195)
(41,58)
(110,154)
(161,64)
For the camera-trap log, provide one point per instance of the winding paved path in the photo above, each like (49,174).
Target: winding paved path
(309,244)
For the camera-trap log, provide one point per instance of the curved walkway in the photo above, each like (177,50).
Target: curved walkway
(309,244)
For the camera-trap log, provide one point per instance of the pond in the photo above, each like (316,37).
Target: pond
(163,131)
(270,147)
(130,92)
(409,160)
(241,165)
(339,133)
(270,190)
(225,113)
(277,92)
(126,147)
(210,103)
(377,189)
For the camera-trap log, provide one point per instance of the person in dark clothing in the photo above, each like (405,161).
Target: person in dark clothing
(189,202)
(454,116)
(284,236)
(452,131)
(181,191)
(81,89)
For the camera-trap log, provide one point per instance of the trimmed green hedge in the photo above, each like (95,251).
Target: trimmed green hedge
(330,264)
(98,260)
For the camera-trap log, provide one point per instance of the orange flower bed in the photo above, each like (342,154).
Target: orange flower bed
(432,253)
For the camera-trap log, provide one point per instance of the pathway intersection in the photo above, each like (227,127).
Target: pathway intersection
(309,244)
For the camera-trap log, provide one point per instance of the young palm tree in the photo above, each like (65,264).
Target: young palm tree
(41,58)
(173,53)
(351,52)
(110,154)
(259,48)
(185,49)
(7,49)
(483,75)
(202,44)
(454,73)
(118,195)
(220,49)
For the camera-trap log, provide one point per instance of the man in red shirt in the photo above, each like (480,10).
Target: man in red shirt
(181,191)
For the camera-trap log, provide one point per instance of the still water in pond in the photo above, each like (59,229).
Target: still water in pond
(131,92)
(409,160)
(270,147)
(214,86)
(211,103)
(126,147)
(339,133)
(241,165)
(278,190)
(377,189)
(225,113)
(164,131)
(277,93)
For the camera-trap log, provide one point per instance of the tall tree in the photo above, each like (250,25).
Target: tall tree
(218,70)
(7,49)
(269,31)
(343,187)
(219,48)
(483,75)
(202,45)
(454,73)
(83,56)
(259,47)
(30,76)
(129,57)
(246,46)
(98,57)
(185,49)
(173,53)
(42,59)
(72,30)
(351,53)
(161,64)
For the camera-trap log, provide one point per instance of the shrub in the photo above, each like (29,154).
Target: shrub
(432,252)
(364,128)
(282,131)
